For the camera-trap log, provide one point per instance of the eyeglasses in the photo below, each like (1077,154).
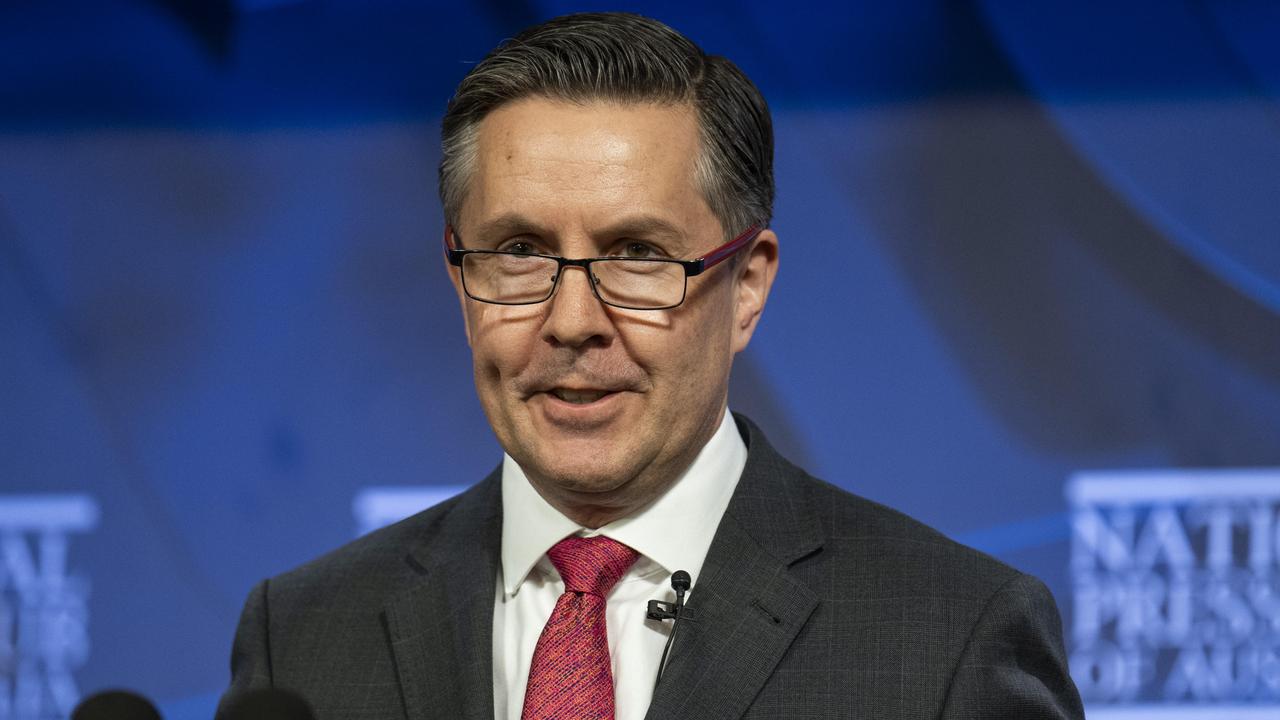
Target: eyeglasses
(514,278)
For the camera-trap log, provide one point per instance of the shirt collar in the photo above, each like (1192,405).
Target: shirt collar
(674,531)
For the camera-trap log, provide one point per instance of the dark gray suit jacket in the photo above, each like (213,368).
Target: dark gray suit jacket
(813,603)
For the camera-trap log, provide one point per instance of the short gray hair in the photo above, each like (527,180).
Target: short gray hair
(621,57)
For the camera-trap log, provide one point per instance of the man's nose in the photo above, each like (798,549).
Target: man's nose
(576,316)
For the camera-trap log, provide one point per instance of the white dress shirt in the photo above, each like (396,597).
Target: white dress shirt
(672,533)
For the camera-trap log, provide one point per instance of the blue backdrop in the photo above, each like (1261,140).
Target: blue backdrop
(1024,246)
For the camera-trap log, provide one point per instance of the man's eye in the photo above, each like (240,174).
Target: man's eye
(638,250)
(519,246)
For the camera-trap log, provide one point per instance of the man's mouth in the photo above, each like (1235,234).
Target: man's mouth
(579,397)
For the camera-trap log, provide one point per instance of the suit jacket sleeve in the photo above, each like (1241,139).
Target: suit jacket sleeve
(250,652)
(1013,664)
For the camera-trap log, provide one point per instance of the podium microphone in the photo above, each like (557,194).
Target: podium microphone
(115,705)
(269,704)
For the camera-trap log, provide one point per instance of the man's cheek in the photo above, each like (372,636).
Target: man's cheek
(500,355)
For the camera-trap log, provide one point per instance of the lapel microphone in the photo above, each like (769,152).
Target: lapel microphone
(659,610)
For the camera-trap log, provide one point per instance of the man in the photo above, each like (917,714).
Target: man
(607,190)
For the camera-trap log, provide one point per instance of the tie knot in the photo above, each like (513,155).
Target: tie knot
(591,564)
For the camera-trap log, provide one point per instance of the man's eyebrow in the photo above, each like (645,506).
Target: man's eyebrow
(508,224)
(640,227)
(643,227)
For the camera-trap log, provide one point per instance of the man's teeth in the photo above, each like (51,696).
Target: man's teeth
(579,396)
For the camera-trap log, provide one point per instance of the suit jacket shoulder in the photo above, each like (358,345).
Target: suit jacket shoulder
(877,615)
(367,630)
(383,557)
(900,554)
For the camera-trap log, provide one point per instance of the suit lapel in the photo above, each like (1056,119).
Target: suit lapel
(441,625)
(747,607)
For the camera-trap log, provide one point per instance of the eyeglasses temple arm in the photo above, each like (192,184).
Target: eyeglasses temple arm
(729,248)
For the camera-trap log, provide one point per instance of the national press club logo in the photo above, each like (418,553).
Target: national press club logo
(1176,593)
(44,615)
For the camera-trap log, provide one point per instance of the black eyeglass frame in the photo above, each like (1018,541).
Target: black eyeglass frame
(692,268)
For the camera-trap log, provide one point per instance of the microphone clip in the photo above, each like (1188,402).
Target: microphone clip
(659,610)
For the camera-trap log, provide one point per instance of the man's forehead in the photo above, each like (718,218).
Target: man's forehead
(621,169)
(596,130)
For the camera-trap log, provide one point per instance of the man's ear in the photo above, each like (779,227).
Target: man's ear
(455,277)
(756,271)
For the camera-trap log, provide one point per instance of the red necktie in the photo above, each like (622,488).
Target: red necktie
(571,676)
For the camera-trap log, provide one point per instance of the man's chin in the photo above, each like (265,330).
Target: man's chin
(582,479)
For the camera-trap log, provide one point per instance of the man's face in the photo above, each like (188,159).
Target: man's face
(603,407)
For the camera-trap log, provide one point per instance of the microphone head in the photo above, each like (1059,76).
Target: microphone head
(115,705)
(680,581)
(269,704)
